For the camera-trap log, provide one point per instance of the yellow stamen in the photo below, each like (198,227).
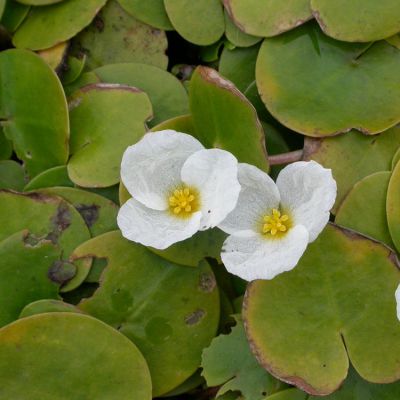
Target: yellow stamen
(183,202)
(275,223)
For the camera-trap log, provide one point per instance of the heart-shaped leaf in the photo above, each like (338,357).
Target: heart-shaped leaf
(364,208)
(25,263)
(337,304)
(200,22)
(116,37)
(97,144)
(357,20)
(305,77)
(33,111)
(170,312)
(49,25)
(224,118)
(167,95)
(85,358)
(268,17)
(353,156)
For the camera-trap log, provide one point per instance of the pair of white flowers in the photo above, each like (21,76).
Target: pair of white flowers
(178,188)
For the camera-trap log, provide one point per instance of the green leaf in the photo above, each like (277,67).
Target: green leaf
(39,2)
(11,175)
(13,15)
(97,144)
(290,394)
(151,12)
(268,18)
(364,208)
(353,156)
(34,111)
(117,37)
(305,78)
(191,251)
(357,20)
(46,217)
(74,69)
(85,358)
(229,362)
(393,206)
(46,306)
(56,176)
(337,304)
(166,93)
(200,22)
(5,146)
(223,118)
(236,36)
(46,26)
(170,312)
(24,268)
(239,65)
(99,213)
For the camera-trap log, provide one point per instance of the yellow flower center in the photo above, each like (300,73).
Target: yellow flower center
(275,224)
(183,202)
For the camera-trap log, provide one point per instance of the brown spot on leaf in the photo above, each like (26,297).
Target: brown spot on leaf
(99,23)
(194,317)
(90,213)
(206,282)
(61,272)
(60,222)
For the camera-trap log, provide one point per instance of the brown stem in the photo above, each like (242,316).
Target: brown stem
(286,158)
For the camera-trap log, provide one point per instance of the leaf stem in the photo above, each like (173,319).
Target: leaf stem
(285,158)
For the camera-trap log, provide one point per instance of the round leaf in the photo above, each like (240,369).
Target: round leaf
(268,17)
(200,22)
(167,95)
(341,295)
(305,78)
(34,111)
(46,306)
(170,312)
(85,358)
(49,25)
(236,36)
(116,37)
(97,144)
(357,20)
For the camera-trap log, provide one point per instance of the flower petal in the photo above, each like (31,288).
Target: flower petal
(214,173)
(151,168)
(308,192)
(154,228)
(258,196)
(258,257)
(397,295)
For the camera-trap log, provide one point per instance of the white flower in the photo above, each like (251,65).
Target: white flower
(272,224)
(178,188)
(397,295)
